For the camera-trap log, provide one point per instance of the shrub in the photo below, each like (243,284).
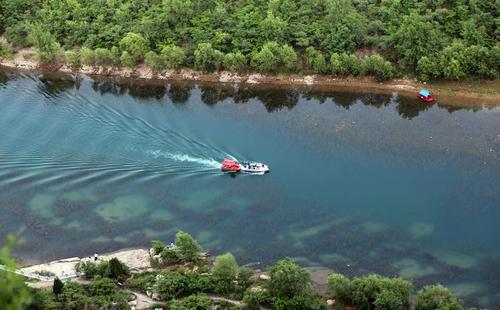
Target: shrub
(5,52)
(345,64)
(235,61)
(195,302)
(57,286)
(14,294)
(89,269)
(268,58)
(339,286)
(224,272)
(274,58)
(117,270)
(42,300)
(72,59)
(427,68)
(17,35)
(169,256)
(48,49)
(102,287)
(103,56)
(157,246)
(169,285)
(140,281)
(188,249)
(288,279)
(126,60)
(206,58)
(288,58)
(113,269)
(115,56)
(378,67)
(154,61)
(88,56)
(173,56)
(315,60)
(245,277)
(255,299)
(437,297)
(135,45)
(388,300)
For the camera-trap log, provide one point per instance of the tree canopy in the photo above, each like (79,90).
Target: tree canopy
(414,37)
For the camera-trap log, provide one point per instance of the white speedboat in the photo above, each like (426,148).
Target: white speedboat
(257,168)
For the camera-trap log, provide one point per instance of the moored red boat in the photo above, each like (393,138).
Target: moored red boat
(425,95)
(229,165)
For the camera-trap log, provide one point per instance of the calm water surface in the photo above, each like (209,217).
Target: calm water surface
(360,182)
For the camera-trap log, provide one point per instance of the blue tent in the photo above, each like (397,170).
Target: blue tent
(425,93)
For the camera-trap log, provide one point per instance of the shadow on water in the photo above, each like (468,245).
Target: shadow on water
(273,98)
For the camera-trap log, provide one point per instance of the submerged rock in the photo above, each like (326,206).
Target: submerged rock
(411,269)
(419,230)
(123,208)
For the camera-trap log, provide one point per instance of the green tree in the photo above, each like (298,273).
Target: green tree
(189,250)
(115,56)
(274,58)
(268,58)
(103,57)
(73,59)
(345,64)
(13,292)
(235,62)
(288,59)
(437,297)
(288,279)
(169,256)
(5,52)
(206,58)
(224,272)
(416,38)
(339,286)
(427,68)
(135,45)
(48,49)
(57,287)
(378,67)
(127,60)
(255,299)
(315,60)
(154,61)
(193,302)
(387,300)
(157,246)
(117,270)
(272,28)
(88,56)
(173,56)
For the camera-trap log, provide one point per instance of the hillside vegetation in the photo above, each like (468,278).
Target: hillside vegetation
(432,39)
(183,279)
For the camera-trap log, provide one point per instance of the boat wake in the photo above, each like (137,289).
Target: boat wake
(208,163)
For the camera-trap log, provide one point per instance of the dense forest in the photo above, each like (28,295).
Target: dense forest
(430,39)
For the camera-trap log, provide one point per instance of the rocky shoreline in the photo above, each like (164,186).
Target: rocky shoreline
(449,93)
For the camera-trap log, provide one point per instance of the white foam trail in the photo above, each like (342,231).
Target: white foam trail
(211,163)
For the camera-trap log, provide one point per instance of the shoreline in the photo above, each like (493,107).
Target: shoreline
(458,94)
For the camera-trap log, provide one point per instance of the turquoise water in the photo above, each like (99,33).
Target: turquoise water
(359,182)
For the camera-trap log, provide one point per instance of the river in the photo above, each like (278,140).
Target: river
(360,182)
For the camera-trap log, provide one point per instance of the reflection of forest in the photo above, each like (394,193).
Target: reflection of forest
(273,99)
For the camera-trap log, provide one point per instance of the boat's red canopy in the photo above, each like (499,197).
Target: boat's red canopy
(230,165)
